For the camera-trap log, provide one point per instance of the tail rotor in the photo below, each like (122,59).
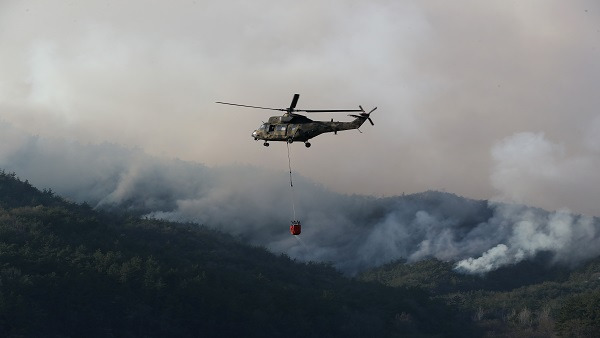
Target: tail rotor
(365,115)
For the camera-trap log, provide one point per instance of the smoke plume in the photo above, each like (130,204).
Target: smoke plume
(450,78)
(353,232)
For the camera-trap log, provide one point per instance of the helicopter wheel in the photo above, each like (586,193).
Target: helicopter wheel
(290,140)
(266,144)
(307,144)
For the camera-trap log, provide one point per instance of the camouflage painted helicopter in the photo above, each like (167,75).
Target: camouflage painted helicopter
(292,127)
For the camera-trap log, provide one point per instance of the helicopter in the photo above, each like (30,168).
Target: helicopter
(291,126)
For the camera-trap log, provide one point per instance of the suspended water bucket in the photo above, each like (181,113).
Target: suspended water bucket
(295,228)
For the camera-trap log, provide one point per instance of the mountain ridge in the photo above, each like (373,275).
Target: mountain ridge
(68,270)
(353,232)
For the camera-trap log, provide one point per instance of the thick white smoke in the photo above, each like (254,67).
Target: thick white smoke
(531,167)
(526,165)
(449,77)
(528,232)
(353,232)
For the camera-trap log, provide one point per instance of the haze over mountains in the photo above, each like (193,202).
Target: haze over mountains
(479,99)
(69,271)
(353,232)
(112,103)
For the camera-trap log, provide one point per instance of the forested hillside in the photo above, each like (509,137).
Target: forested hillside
(529,299)
(67,270)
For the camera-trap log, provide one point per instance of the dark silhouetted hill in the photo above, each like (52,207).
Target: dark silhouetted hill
(67,270)
(529,299)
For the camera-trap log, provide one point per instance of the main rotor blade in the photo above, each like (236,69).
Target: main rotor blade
(294,102)
(329,110)
(243,105)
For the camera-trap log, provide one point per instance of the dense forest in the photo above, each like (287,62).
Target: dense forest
(68,270)
(528,299)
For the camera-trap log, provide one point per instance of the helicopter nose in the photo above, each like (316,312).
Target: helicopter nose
(254,133)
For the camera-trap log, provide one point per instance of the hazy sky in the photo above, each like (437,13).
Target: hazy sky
(486,99)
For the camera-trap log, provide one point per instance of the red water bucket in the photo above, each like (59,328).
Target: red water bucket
(295,228)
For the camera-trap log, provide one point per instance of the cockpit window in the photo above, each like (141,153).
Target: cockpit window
(262,127)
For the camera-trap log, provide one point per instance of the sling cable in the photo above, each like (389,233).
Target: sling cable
(295,226)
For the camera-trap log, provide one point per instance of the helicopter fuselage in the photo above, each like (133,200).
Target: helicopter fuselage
(292,127)
(296,127)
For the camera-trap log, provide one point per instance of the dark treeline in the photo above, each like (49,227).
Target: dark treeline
(528,299)
(67,270)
